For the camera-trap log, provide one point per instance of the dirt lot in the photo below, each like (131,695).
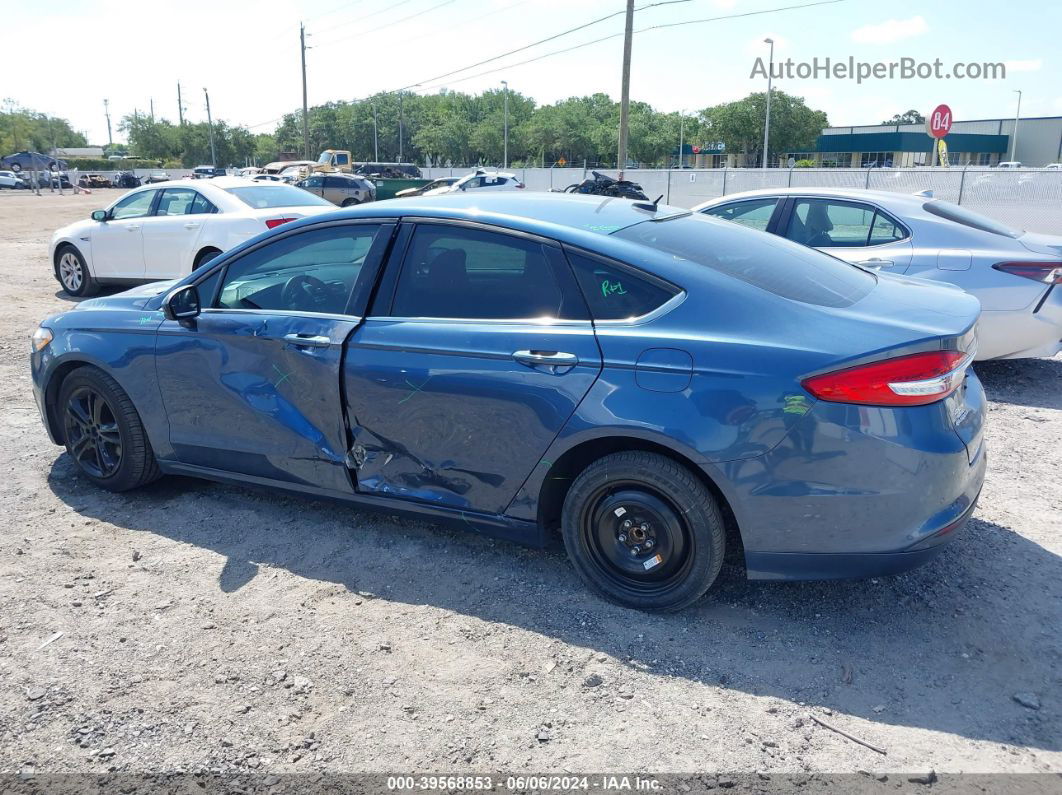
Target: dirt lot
(207,626)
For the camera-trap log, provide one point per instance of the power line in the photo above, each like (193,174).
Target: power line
(362,18)
(548,39)
(425,88)
(388,24)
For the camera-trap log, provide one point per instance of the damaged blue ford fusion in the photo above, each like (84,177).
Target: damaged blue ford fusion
(651,385)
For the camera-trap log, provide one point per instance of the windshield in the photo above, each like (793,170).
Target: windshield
(326,157)
(264,196)
(771,263)
(960,215)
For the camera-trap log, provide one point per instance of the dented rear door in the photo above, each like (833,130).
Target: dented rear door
(455,409)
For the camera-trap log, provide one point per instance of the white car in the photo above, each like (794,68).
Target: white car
(9,179)
(1014,274)
(166,230)
(480,180)
(268,178)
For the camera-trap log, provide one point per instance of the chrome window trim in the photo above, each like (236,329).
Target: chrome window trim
(283,313)
(486,321)
(672,303)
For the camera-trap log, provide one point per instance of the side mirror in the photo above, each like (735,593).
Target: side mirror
(99,215)
(182,303)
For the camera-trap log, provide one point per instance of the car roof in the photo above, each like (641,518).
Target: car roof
(892,198)
(572,218)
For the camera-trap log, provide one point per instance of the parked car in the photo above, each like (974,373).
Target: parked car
(293,174)
(388,170)
(31,161)
(343,190)
(207,172)
(157,176)
(9,179)
(125,179)
(442,182)
(480,180)
(1012,273)
(268,178)
(93,181)
(165,233)
(639,377)
(1009,164)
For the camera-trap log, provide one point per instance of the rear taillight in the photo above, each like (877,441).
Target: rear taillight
(273,223)
(913,380)
(1046,272)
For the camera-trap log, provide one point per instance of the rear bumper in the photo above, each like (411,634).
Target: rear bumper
(1024,334)
(794,566)
(856,491)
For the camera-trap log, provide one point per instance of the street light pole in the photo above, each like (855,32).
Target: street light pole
(210,127)
(305,109)
(1014,138)
(682,122)
(400,127)
(767,118)
(506,134)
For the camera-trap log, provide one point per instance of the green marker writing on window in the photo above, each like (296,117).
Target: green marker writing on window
(612,288)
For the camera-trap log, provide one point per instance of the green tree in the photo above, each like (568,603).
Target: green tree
(739,125)
(908,117)
(23,129)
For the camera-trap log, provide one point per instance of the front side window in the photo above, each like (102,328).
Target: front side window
(176,201)
(313,271)
(135,205)
(755,213)
(458,272)
(617,292)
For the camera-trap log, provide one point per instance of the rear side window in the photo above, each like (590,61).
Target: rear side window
(201,205)
(764,261)
(617,292)
(754,213)
(960,215)
(464,273)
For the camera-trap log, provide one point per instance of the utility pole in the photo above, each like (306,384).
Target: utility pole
(767,119)
(682,122)
(305,108)
(180,105)
(400,127)
(152,106)
(210,127)
(375,136)
(107,113)
(506,135)
(1014,138)
(625,88)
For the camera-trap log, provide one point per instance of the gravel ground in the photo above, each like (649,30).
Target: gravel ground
(198,626)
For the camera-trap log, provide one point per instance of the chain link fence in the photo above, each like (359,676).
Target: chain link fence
(1029,199)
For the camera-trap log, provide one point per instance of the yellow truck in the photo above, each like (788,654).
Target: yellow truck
(389,178)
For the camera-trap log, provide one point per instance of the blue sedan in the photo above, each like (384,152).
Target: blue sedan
(651,384)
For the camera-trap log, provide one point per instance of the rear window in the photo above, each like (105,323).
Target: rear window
(262,197)
(762,260)
(960,215)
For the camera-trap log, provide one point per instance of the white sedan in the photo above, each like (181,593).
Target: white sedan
(1014,274)
(480,180)
(9,179)
(166,230)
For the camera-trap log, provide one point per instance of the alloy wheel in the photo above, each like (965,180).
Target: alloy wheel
(71,273)
(92,433)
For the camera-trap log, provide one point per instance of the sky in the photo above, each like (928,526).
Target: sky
(248,54)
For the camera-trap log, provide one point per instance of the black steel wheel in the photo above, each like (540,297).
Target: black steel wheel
(103,432)
(643,531)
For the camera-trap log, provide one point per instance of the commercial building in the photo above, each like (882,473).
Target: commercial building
(981,142)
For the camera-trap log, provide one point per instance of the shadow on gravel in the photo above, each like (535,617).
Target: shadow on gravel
(944,648)
(63,295)
(1036,383)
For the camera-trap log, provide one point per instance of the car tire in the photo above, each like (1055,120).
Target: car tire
(73,273)
(204,257)
(349,202)
(103,432)
(16,167)
(643,531)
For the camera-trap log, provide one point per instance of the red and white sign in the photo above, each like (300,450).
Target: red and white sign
(938,124)
(696,150)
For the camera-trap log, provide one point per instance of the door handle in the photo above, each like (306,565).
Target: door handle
(555,358)
(191,226)
(308,340)
(876,262)
(133,227)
